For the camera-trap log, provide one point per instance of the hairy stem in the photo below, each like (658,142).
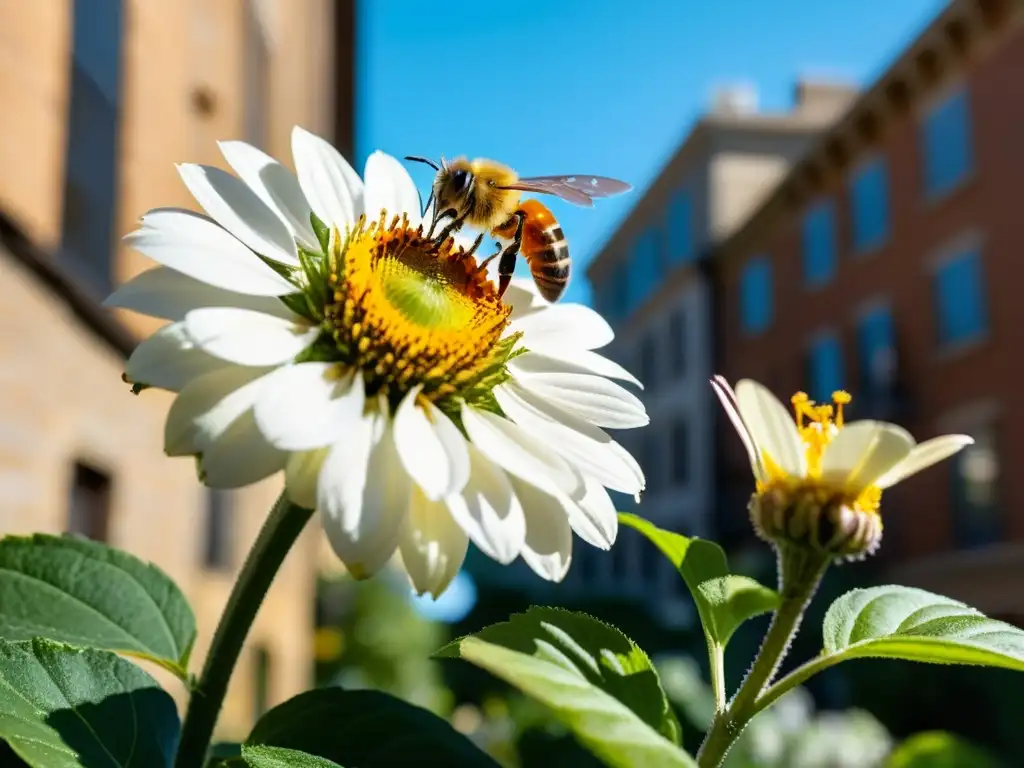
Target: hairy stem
(800,572)
(279,533)
(716,655)
(797,677)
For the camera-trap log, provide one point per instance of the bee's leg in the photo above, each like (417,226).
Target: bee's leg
(507,265)
(457,223)
(426,207)
(438,218)
(454,226)
(476,244)
(483,264)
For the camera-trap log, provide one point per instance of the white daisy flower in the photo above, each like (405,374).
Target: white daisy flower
(315,330)
(812,461)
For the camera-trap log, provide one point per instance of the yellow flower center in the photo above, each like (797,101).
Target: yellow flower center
(818,425)
(408,312)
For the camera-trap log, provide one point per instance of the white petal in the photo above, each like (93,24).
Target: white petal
(432,544)
(197,247)
(363,496)
(309,405)
(237,208)
(275,185)
(862,452)
(515,451)
(246,337)
(560,326)
(771,427)
(207,406)
(728,399)
(488,510)
(240,456)
(301,474)
(629,461)
(332,187)
(923,456)
(571,361)
(431,446)
(593,517)
(389,187)
(547,548)
(588,448)
(598,400)
(170,295)
(169,360)
(522,296)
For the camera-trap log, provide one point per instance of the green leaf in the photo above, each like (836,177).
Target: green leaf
(906,623)
(277,757)
(368,729)
(596,680)
(64,707)
(84,593)
(724,601)
(733,600)
(321,230)
(936,749)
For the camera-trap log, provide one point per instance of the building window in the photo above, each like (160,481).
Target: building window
(261,670)
(218,533)
(257,76)
(819,244)
(960,305)
(680,448)
(677,342)
(827,372)
(649,362)
(869,196)
(948,154)
(680,228)
(646,271)
(89,503)
(650,459)
(977,518)
(756,295)
(876,350)
(90,169)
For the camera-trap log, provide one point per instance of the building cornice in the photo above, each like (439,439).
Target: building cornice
(963,31)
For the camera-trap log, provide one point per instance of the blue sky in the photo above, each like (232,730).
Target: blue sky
(596,86)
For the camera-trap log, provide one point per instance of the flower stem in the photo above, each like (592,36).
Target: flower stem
(280,531)
(716,654)
(800,572)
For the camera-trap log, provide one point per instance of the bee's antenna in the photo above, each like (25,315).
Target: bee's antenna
(424,160)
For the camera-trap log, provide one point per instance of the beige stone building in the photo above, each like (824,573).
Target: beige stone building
(100,98)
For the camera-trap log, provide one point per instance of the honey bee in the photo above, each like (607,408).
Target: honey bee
(486,195)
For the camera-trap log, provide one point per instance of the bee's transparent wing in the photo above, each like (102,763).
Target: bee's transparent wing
(580,189)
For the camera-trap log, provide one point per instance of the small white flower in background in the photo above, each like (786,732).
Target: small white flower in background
(400,396)
(810,460)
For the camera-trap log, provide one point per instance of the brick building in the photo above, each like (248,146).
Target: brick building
(100,98)
(649,283)
(888,262)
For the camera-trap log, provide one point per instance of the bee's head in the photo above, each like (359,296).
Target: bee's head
(452,185)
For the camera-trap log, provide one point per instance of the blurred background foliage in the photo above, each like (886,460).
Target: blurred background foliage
(374,634)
